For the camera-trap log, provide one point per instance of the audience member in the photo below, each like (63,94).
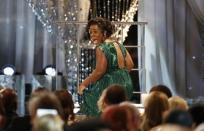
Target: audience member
(114,94)
(17,122)
(45,100)
(48,123)
(134,116)
(179,117)
(197,113)
(177,102)
(117,117)
(67,104)
(9,101)
(162,88)
(156,106)
(122,117)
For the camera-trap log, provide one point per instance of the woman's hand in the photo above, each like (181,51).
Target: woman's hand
(81,89)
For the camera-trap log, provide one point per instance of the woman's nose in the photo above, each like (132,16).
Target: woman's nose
(92,36)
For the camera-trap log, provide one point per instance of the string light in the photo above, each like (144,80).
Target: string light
(49,11)
(128,17)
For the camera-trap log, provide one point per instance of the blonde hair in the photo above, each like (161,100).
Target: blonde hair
(48,123)
(177,102)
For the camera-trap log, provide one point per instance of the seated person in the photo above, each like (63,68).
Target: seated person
(177,102)
(48,123)
(122,117)
(114,94)
(67,104)
(162,88)
(179,117)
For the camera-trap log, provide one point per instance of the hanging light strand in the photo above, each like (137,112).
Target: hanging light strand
(128,17)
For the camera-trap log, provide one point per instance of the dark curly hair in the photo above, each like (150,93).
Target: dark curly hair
(105,25)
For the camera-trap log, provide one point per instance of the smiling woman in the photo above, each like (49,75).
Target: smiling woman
(113,64)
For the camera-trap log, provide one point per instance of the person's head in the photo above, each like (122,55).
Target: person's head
(114,94)
(177,102)
(48,123)
(134,116)
(162,88)
(67,103)
(117,116)
(156,106)
(99,29)
(179,117)
(9,101)
(197,113)
(46,100)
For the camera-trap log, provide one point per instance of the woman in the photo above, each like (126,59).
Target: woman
(156,108)
(113,63)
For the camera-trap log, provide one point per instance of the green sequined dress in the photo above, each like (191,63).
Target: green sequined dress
(113,75)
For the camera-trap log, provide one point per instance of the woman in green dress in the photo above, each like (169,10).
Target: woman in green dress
(113,63)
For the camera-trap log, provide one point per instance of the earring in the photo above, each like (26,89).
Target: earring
(104,33)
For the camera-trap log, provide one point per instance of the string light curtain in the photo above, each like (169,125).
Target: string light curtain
(59,17)
(110,9)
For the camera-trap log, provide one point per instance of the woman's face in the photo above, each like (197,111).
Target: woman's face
(96,34)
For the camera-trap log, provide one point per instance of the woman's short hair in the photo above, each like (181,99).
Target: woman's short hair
(177,102)
(106,26)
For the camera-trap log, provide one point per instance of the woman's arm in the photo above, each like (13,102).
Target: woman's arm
(101,65)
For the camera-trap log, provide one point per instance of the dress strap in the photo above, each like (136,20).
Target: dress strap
(123,50)
(120,53)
